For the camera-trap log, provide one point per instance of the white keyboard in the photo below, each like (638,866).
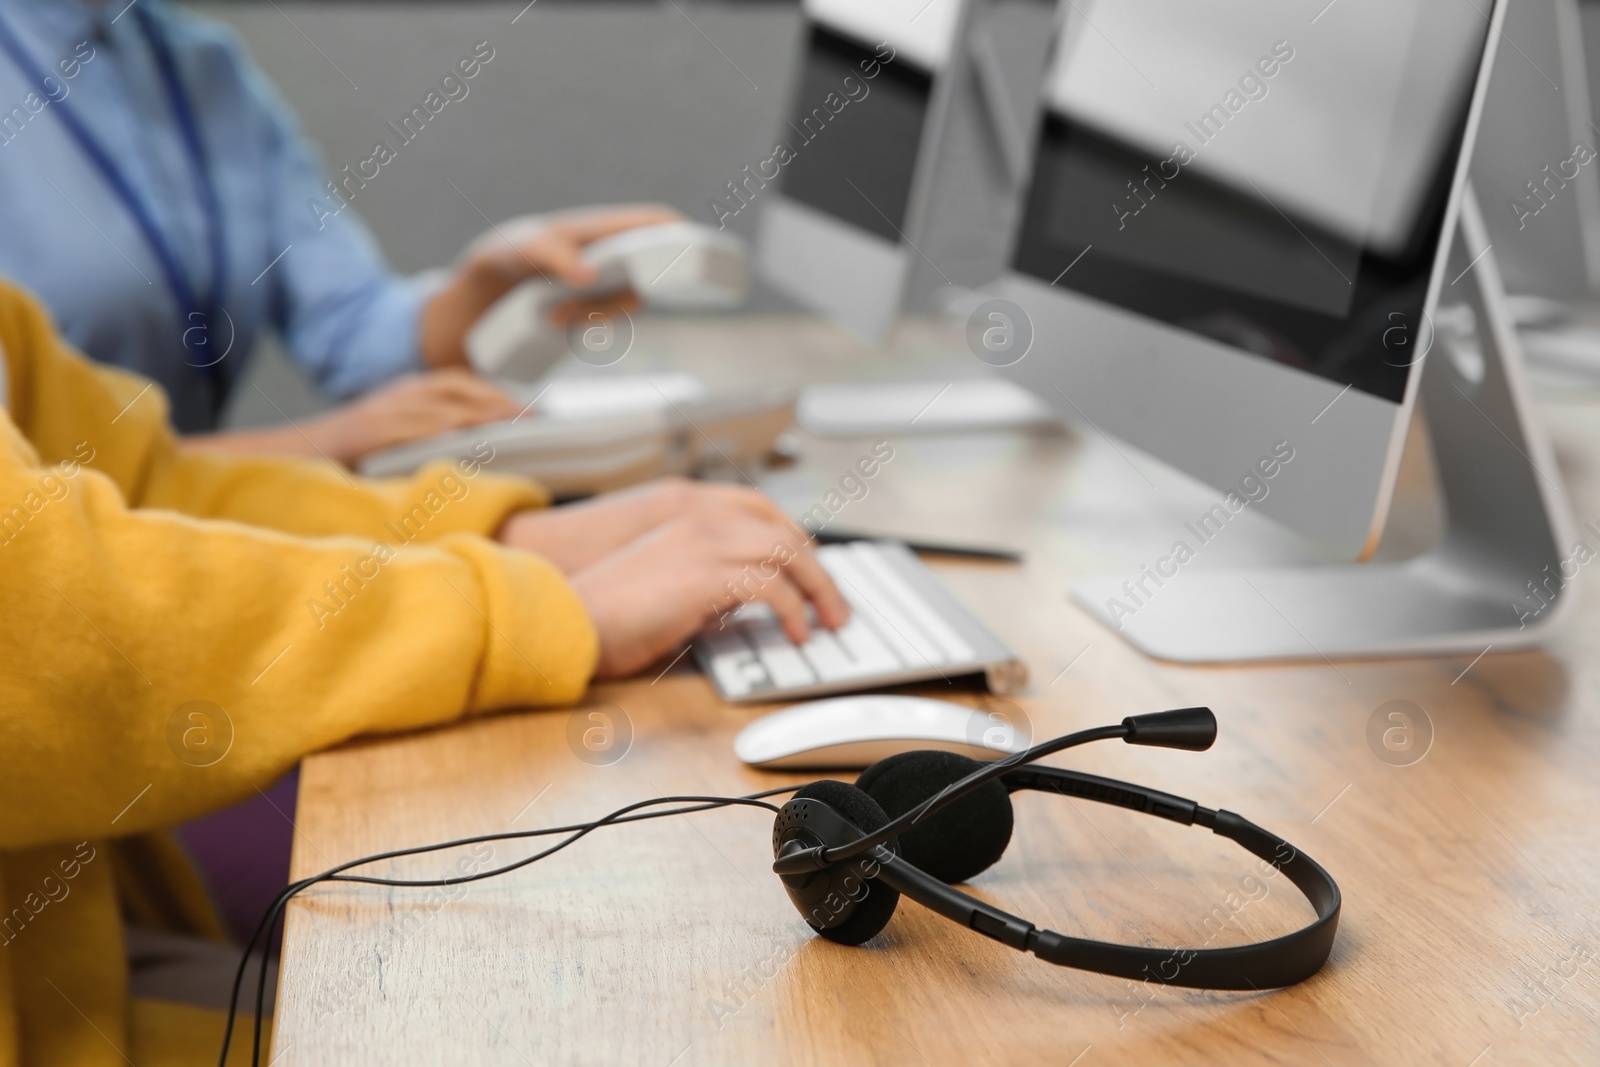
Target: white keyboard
(904,627)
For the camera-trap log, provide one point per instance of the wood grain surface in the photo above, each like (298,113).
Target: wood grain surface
(1471,915)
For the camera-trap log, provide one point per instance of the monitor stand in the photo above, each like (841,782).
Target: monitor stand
(1493,580)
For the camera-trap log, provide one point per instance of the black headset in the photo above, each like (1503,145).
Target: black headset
(916,822)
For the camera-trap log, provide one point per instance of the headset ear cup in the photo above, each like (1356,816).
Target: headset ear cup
(872,911)
(958,842)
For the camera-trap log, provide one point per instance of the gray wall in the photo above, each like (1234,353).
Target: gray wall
(582,103)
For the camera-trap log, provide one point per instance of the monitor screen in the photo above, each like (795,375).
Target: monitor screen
(855,128)
(1272,179)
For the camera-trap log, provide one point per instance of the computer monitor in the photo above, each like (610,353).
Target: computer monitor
(1535,166)
(853,160)
(1239,221)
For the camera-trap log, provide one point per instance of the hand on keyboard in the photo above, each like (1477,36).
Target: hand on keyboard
(665,586)
(896,633)
(576,536)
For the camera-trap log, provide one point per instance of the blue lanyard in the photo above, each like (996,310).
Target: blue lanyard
(190,305)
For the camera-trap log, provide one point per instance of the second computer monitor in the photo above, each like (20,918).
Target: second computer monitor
(851,163)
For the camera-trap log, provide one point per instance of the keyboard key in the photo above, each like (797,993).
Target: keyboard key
(866,648)
(733,671)
(827,658)
(782,659)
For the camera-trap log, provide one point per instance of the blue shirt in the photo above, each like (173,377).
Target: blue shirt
(316,278)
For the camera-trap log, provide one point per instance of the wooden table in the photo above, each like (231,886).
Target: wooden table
(1471,878)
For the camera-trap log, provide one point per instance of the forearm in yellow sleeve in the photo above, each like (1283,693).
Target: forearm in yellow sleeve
(115,621)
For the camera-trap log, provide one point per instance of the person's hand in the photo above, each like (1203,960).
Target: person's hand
(551,248)
(408,409)
(574,536)
(664,587)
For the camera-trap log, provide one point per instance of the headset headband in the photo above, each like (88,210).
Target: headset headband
(1279,962)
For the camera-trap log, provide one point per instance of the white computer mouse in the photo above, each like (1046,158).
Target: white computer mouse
(855,731)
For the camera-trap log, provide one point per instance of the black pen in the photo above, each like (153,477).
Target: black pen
(1003,555)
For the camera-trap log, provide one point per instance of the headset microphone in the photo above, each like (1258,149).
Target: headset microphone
(1192,728)
(916,822)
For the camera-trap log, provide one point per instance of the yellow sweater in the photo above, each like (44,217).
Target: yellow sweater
(134,580)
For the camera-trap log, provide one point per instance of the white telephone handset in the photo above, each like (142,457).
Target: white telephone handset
(670,265)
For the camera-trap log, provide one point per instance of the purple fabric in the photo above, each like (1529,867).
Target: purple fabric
(243,853)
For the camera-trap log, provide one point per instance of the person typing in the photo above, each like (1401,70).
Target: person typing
(136,578)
